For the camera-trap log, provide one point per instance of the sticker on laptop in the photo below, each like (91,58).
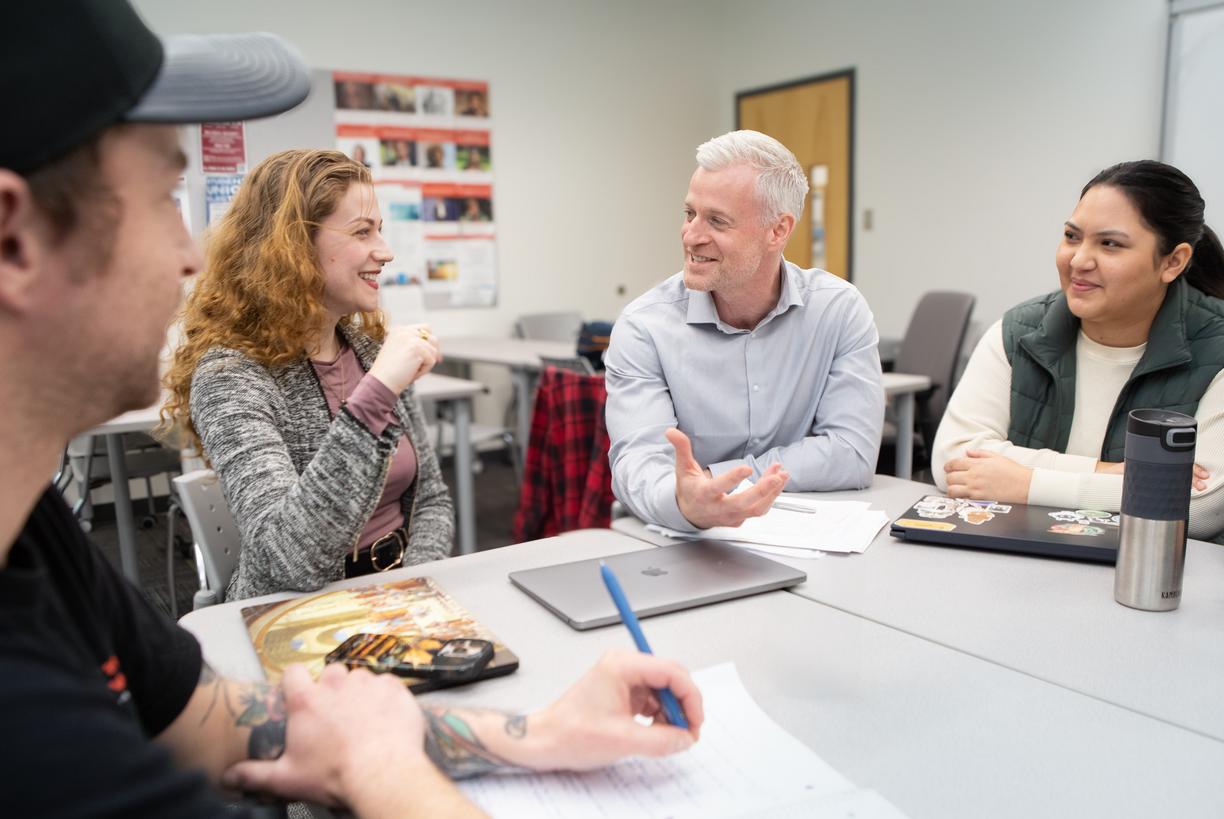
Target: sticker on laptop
(974,512)
(935,507)
(1087,517)
(932,525)
(975,515)
(1076,529)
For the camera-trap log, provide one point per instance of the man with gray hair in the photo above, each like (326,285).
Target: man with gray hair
(743,365)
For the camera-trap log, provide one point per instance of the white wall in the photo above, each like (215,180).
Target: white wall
(978,121)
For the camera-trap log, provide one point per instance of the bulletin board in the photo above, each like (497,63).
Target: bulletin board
(427,142)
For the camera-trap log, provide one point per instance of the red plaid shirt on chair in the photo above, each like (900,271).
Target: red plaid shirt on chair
(567,481)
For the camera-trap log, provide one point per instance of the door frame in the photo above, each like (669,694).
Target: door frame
(844,73)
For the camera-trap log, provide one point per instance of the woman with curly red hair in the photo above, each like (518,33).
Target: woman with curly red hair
(298,393)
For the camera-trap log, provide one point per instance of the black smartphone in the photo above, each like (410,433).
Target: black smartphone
(429,658)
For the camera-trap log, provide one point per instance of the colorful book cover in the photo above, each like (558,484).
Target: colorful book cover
(304,629)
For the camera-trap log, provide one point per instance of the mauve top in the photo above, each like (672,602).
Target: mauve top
(373,404)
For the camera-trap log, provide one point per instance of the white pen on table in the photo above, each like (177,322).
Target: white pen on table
(793,507)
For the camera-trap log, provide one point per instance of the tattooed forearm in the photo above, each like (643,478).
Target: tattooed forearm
(454,745)
(262,709)
(225,722)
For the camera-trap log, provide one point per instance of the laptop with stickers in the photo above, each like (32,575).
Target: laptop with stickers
(1077,534)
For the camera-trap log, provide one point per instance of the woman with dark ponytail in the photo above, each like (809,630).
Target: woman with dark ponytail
(1040,413)
(1170,206)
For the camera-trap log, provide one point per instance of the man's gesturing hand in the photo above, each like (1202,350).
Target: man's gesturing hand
(703,500)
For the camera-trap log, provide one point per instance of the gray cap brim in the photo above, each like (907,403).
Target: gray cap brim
(223,78)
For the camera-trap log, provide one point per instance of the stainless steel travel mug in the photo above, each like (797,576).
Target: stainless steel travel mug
(1155,507)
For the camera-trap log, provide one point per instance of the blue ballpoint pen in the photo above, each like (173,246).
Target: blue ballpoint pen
(671,707)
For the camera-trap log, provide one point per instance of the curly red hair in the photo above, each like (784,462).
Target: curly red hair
(261,290)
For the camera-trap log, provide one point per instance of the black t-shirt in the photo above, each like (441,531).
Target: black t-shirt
(89,673)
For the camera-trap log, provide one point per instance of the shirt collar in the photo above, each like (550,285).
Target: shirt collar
(792,291)
(701,309)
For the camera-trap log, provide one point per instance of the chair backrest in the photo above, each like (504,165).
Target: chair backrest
(578,364)
(212,525)
(565,326)
(932,348)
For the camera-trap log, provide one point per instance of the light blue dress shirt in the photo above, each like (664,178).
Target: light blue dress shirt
(801,389)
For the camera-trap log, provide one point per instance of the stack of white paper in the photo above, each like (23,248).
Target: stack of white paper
(743,766)
(821,526)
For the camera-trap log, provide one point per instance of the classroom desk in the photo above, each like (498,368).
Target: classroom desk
(458,392)
(522,356)
(890,348)
(443,389)
(141,420)
(1055,620)
(900,389)
(937,732)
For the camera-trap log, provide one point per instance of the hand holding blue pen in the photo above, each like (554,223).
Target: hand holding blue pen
(671,708)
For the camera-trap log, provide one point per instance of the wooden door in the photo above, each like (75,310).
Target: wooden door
(815,119)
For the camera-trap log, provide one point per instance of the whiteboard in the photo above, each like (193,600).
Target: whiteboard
(1193,135)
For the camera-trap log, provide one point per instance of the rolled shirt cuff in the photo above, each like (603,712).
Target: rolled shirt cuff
(719,468)
(373,404)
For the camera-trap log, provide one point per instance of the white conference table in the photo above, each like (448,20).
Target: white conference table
(141,420)
(522,356)
(1054,620)
(458,392)
(938,732)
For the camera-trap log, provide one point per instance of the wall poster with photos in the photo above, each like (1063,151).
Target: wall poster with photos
(426,143)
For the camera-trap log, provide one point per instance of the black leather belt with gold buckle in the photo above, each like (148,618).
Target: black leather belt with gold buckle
(388,551)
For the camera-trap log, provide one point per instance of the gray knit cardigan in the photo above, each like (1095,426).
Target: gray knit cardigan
(302,486)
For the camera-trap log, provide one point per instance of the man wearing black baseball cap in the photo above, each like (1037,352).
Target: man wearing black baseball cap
(92,255)
(106,707)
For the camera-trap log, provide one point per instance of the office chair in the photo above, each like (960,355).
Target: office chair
(559,326)
(932,347)
(217,541)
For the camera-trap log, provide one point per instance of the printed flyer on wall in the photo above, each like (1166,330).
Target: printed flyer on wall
(427,144)
(219,192)
(222,147)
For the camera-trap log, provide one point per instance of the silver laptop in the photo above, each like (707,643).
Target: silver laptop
(656,581)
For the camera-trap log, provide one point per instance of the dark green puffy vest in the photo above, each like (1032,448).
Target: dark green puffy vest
(1184,353)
